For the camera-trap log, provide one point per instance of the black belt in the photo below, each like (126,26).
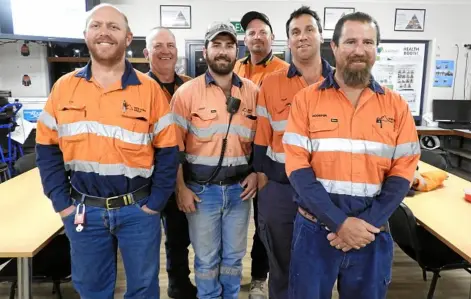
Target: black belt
(114,202)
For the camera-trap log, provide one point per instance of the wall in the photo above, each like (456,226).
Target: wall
(439,29)
(14,66)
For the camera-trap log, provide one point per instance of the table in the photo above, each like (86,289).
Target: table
(27,224)
(423,130)
(445,213)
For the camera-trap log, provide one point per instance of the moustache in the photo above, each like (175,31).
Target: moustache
(222,58)
(358,59)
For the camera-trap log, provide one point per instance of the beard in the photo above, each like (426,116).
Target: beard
(354,77)
(110,55)
(221,65)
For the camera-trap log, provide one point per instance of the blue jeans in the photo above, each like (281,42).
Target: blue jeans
(218,233)
(93,252)
(315,265)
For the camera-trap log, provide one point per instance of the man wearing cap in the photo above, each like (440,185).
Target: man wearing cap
(258,39)
(256,66)
(161,51)
(215,114)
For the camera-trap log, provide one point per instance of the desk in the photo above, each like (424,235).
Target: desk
(27,223)
(423,130)
(445,213)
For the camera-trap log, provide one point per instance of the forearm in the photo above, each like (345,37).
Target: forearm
(54,177)
(315,198)
(163,177)
(392,193)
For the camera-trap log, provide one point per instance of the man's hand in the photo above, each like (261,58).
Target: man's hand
(66,212)
(149,211)
(337,242)
(357,233)
(262,180)
(186,199)
(250,186)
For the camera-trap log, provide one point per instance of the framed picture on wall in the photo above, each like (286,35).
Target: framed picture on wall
(409,20)
(333,14)
(175,16)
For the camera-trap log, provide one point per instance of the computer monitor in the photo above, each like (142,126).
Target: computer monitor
(452,114)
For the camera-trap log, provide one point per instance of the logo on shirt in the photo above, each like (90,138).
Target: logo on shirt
(384,119)
(319,115)
(127,106)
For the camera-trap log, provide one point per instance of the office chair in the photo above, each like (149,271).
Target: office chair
(52,263)
(427,250)
(433,159)
(10,150)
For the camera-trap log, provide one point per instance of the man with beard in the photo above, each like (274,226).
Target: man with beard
(161,51)
(256,66)
(215,113)
(276,207)
(351,150)
(108,159)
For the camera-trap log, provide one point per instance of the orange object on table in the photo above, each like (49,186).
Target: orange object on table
(467,194)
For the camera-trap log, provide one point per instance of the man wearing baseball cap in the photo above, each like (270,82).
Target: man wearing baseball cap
(255,67)
(258,39)
(215,115)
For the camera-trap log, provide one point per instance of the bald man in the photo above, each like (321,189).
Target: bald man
(113,166)
(161,52)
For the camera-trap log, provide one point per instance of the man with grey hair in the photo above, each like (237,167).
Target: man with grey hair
(161,52)
(107,157)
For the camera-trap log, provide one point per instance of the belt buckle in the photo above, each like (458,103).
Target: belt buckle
(107,203)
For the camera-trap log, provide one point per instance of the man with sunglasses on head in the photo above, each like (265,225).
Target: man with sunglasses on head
(215,114)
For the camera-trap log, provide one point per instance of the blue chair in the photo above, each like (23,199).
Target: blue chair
(10,150)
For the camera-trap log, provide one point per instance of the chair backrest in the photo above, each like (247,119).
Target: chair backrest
(25,163)
(433,159)
(403,227)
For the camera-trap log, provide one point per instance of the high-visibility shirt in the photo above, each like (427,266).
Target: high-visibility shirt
(345,161)
(256,73)
(179,81)
(273,106)
(106,139)
(200,110)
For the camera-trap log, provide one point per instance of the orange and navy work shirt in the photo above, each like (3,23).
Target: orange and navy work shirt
(343,161)
(200,111)
(256,73)
(107,139)
(170,88)
(274,102)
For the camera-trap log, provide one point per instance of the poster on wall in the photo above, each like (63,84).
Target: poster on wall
(400,67)
(444,73)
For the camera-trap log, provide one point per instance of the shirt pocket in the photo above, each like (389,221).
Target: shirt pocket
(133,132)
(324,139)
(281,109)
(385,138)
(72,124)
(202,124)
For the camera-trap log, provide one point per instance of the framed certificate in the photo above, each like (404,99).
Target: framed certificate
(409,20)
(333,14)
(175,16)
